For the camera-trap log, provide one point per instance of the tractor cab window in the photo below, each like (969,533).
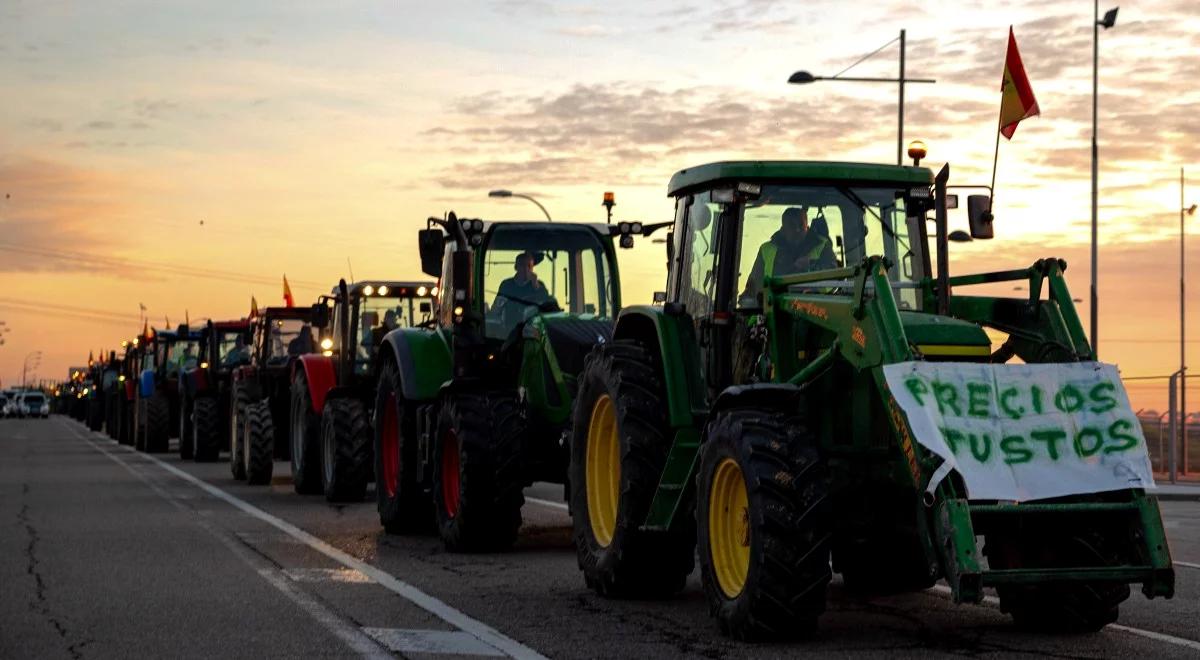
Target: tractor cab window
(376,316)
(232,349)
(563,267)
(794,229)
(288,338)
(698,275)
(182,354)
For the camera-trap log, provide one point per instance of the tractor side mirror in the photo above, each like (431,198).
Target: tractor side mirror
(951,201)
(660,297)
(979,215)
(432,243)
(670,248)
(426,308)
(320,315)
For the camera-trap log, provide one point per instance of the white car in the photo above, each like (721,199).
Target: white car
(33,404)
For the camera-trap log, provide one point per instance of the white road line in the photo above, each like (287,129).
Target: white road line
(357,640)
(1149,634)
(454,617)
(555,505)
(1186,564)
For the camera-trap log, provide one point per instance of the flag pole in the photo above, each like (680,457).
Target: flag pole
(995,158)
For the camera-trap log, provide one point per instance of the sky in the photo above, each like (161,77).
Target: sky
(184,155)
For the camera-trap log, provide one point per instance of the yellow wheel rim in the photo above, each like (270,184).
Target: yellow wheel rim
(603,470)
(729,528)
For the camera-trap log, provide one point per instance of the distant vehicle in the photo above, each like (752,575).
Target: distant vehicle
(33,404)
(6,401)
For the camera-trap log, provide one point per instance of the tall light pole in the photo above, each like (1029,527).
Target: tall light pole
(509,193)
(1191,210)
(1109,20)
(804,78)
(25,365)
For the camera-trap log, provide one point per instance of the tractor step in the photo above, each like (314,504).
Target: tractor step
(672,487)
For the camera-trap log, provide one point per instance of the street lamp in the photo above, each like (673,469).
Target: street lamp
(25,365)
(1190,210)
(804,78)
(1109,20)
(509,193)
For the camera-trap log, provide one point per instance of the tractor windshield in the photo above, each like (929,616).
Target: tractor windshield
(232,348)
(377,316)
(529,269)
(182,354)
(793,229)
(289,338)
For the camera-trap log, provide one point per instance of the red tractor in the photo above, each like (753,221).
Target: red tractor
(333,392)
(207,389)
(261,393)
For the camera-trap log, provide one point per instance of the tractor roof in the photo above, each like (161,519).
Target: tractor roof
(303,313)
(240,324)
(518,240)
(801,170)
(394,288)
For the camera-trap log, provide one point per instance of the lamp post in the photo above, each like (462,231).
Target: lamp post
(1109,20)
(25,365)
(509,193)
(804,78)
(1183,211)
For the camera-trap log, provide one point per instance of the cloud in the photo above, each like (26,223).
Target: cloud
(623,129)
(590,31)
(52,208)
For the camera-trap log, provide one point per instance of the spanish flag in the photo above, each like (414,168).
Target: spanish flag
(1016,96)
(287,293)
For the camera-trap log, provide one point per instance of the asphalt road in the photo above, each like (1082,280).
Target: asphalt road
(109,553)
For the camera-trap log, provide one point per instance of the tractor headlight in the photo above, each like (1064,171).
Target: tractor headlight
(635,228)
(433,292)
(421,291)
(326,344)
(203,365)
(368,290)
(383,290)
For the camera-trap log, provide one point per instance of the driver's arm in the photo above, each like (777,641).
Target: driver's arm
(753,281)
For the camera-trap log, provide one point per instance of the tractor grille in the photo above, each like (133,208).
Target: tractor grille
(572,339)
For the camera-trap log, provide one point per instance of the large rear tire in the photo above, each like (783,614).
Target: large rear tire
(186,448)
(619,444)
(238,407)
(404,504)
(206,430)
(1064,607)
(345,450)
(158,422)
(259,443)
(764,524)
(478,482)
(305,439)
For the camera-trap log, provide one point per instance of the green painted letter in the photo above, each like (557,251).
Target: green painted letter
(1051,438)
(1015,451)
(947,397)
(1119,431)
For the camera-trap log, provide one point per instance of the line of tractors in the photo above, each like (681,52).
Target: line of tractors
(743,419)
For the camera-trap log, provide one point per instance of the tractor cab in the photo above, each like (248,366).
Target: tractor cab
(506,282)
(360,314)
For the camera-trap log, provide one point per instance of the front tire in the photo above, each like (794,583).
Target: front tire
(237,432)
(345,450)
(158,421)
(305,439)
(477,483)
(206,430)
(763,524)
(259,443)
(619,444)
(186,449)
(404,504)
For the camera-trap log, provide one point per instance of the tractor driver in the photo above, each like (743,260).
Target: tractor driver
(389,323)
(794,248)
(520,292)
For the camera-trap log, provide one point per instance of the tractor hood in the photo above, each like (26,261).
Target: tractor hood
(944,337)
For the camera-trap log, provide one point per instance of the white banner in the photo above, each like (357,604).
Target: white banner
(1025,431)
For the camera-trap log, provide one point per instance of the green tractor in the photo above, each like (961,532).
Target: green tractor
(471,409)
(818,394)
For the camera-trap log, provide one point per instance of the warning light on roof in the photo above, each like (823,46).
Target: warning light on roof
(916,151)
